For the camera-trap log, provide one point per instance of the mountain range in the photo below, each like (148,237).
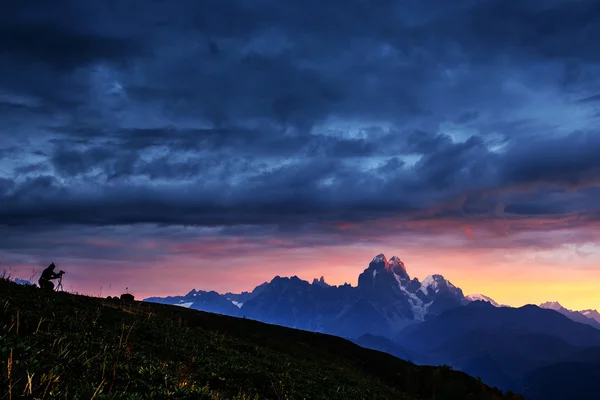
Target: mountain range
(430,322)
(385,301)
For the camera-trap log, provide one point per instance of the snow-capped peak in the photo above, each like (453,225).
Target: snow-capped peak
(380,258)
(481,297)
(427,282)
(24,282)
(434,282)
(552,305)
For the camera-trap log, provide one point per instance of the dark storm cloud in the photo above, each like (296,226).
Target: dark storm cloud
(58,47)
(296,115)
(61,34)
(571,161)
(457,165)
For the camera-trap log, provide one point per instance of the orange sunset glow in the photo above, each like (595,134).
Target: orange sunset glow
(476,261)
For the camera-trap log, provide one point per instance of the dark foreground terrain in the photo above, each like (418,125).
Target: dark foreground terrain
(60,345)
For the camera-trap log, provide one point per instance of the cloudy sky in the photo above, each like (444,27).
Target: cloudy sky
(164,145)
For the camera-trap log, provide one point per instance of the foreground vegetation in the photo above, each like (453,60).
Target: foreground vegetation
(59,345)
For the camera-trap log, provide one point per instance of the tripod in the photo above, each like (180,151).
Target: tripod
(59,286)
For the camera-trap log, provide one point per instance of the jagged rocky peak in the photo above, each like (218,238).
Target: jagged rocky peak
(379,260)
(394,265)
(377,266)
(397,267)
(384,271)
(320,282)
(391,263)
(396,262)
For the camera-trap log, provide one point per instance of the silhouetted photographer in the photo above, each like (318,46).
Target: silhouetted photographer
(48,275)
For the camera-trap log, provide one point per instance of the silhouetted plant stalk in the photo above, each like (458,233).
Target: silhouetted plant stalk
(97,390)
(29,386)
(10,383)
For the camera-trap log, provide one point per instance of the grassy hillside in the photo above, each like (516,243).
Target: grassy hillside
(60,345)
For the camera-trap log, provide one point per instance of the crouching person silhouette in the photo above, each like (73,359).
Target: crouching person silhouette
(49,275)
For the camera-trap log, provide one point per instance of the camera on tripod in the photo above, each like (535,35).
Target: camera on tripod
(61,272)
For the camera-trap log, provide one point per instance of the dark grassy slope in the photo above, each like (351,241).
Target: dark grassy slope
(77,347)
(388,346)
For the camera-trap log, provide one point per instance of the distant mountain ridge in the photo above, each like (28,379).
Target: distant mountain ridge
(589,317)
(23,282)
(481,297)
(511,348)
(482,316)
(201,300)
(593,314)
